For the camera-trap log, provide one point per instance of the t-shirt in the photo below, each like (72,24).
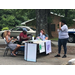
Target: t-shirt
(22,35)
(63,33)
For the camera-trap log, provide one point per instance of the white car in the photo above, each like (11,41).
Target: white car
(17,30)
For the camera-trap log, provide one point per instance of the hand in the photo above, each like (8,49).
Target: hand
(12,38)
(15,39)
(38,37)
(59,23)
(28,37)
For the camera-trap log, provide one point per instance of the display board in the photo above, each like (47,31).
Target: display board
(48,46)
(41,47)
(30,52)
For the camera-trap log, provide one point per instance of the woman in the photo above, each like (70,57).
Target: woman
(63,38)
(43,36)
(10,43)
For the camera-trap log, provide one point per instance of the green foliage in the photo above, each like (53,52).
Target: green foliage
(14,17)
(5,28)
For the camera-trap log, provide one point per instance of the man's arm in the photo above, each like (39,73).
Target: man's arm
(25,38)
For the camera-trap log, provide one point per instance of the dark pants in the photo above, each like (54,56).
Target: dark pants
(64,43)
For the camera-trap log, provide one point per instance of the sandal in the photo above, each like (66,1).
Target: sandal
(14,55)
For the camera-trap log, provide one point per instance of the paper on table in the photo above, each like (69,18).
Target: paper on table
(31,53)
(41,47)
(48,46)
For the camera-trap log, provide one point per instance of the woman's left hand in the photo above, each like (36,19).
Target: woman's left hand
(15,40)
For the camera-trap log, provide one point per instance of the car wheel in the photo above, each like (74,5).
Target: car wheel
(71,39)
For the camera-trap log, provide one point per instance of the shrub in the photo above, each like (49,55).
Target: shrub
(5,28)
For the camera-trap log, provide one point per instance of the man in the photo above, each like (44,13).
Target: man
(23,35)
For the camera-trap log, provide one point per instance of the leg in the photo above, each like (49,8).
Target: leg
(18,46)
(59,46)
(64,45)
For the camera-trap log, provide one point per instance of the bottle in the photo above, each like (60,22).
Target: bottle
(33,38)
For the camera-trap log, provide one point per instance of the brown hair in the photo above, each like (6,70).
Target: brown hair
(5,33)
(43,31)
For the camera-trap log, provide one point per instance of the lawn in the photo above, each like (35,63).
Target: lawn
(54,39)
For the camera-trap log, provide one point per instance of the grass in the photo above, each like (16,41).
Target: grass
(54,39)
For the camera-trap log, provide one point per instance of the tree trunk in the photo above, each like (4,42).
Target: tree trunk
(66,12)
(42,16)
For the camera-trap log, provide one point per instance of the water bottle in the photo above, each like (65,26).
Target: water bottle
(43,37)
(33,38)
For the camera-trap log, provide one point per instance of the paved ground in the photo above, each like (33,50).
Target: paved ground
(41,60)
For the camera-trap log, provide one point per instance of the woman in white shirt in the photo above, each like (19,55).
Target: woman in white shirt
(42,36)
(63,38)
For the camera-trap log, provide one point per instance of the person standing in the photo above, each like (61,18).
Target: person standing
(63,38)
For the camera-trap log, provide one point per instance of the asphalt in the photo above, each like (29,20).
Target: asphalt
(41,60)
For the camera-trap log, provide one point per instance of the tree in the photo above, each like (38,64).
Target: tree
(42,20)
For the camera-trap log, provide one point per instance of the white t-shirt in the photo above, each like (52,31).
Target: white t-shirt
(63,33)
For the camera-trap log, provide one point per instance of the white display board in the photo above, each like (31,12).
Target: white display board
(25,51)
(32,52)
(41,47)
(48,46)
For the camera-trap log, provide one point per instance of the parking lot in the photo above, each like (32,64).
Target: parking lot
(41,60)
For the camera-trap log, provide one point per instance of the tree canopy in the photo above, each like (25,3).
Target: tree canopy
(14,17)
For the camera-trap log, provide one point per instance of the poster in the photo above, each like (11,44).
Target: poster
(41,47)
(48,46)
(32,52)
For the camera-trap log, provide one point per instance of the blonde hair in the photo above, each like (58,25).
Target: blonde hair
(5,33)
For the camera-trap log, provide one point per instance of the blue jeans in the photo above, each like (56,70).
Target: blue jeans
(64,43)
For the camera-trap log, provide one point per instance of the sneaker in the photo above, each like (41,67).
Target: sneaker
(57,56)
(64,56)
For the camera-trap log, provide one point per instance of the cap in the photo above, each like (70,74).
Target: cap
(24,29)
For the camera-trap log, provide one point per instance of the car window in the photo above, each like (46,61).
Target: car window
(17,29)
(28,29)
(33,28)
(14,29)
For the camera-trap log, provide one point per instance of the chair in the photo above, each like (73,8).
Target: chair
(6,48)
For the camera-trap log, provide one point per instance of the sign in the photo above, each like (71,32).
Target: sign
(48,46)
(41,47)
(30,52)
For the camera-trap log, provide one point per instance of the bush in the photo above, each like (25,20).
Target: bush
(5,28)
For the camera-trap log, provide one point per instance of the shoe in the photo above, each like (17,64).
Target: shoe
(64,56)
(57,55)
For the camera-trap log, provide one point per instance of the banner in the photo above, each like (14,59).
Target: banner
(48,46)
(41,47)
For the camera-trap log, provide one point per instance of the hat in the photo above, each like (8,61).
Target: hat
(24,29)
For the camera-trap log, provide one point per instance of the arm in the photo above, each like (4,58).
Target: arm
(46,37)
(8,41)
(25,38)
(59,25)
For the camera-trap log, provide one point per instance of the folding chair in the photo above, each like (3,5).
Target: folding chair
(6,48)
